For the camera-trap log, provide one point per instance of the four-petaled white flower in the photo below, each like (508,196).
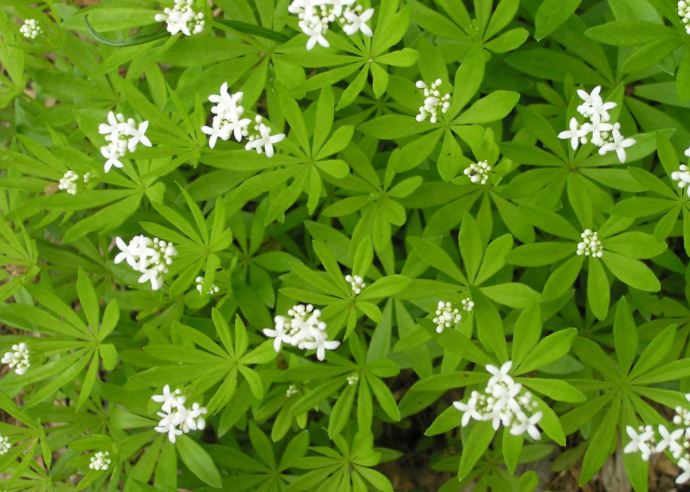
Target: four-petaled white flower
(618,144)
(358,22)
(641,441)
(574,133)
(262,140)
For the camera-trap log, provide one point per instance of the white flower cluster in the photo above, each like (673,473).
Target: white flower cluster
(228,122)
(30,29)
(646,441)
(599,130)
(5,445)
(150,257)
(199,285)
(479,172)
(176,418)
(356,283)
(684,14)
(446,316)
(100,461)
(590,245)
(316,16)
(467,304)
(291,391)
(70,182)
(503,402)
(182,18)
(17,358)
(352,379)
(122,135)
(302,329)
(434,101)
(682,176)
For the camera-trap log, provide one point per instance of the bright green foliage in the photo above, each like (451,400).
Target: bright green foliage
(440,241)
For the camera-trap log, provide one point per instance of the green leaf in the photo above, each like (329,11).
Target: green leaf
(480,436)
(198,461)
(632,272)
(551,14)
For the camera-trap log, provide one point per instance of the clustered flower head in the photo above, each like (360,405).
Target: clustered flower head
(682,176)
(598,130)
(356,283)
(150,257)
(467,304)
(176,418)
(352,379)
(303,329)
(684,14)
(182,18)
(5,445)
(291,391)
(479,172)
(434,101)
(446,316)
(17,358)
(316,16)
(30,29)
(200,283)
(590,245)
(645,440)
(100,461)
(123,135)
(228,121)
(70,182)
(503,402)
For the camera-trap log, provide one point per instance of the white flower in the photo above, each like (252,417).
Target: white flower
(150,257)
(5,445)
(590,245)
(302,329)
(618,143)
(352,379)
(262,140)
(30,29)
(682,176)
(200,283)
(684,464)
(499,375)
(182,18)
(478,173)
(527,425)
(687,152)
(356,283)
(358,22)
(17,358)
(504,403)
(68,182)
(684,14)
(175,418)
(100,461)
(640,442)
(315,28)
(291,391)
(669,439)
(122,135)
(593,105)
(316,16)
(446,316)
(575,133)
(434,101)
(170,400)
(599,131)
(467,304)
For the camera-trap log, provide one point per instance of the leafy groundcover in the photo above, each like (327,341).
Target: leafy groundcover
(344,245)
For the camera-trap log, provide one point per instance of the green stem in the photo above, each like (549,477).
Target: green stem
(132,41)
(252,29)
